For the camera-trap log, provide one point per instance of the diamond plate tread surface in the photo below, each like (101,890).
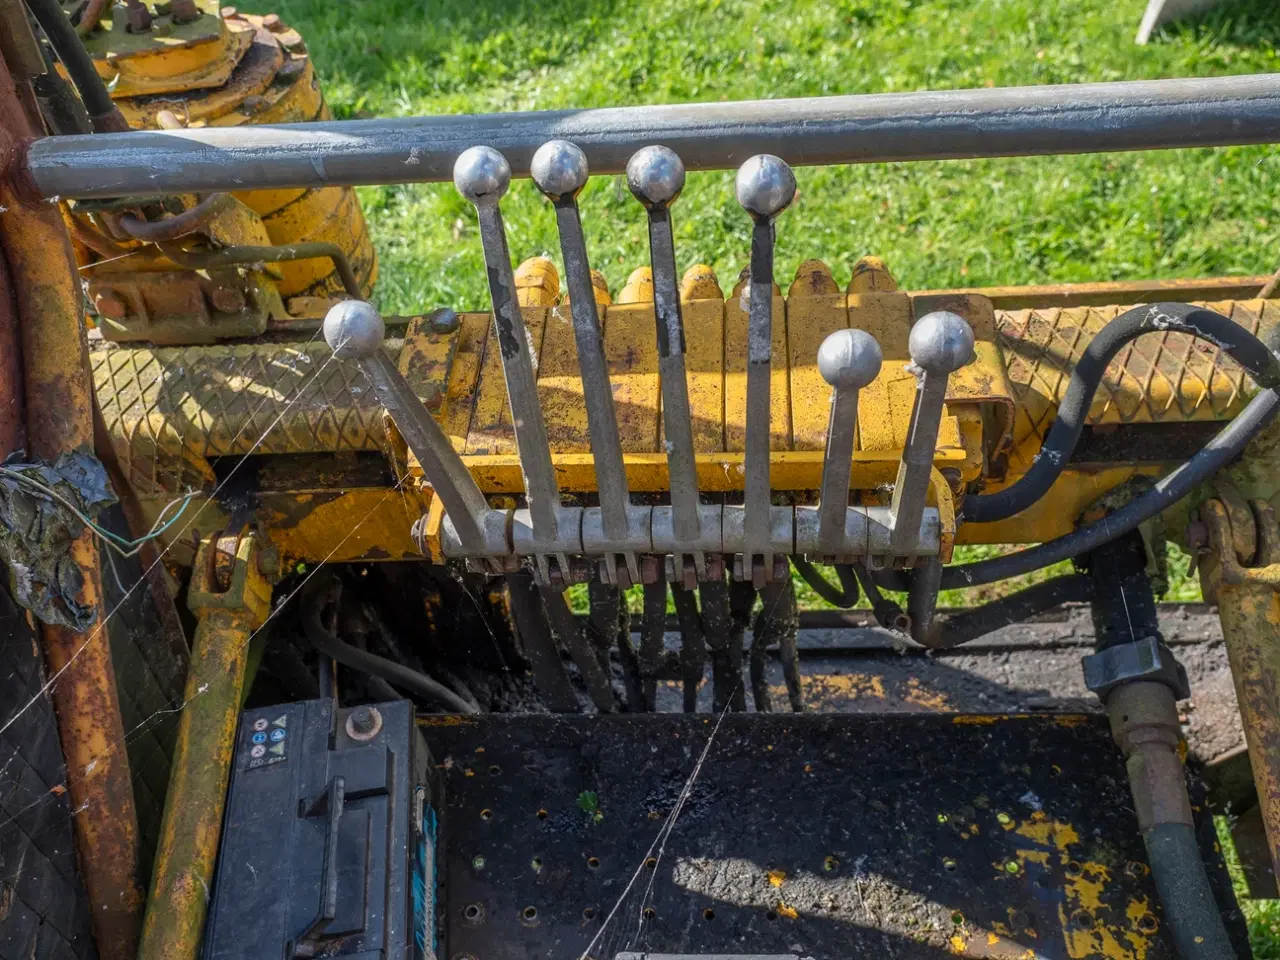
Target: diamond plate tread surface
(1157,378)
(169,410)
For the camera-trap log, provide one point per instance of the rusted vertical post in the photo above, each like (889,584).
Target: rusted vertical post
(59,418)
(1249,608)
(13,430)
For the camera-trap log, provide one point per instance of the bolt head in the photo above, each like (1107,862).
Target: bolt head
(482,174)
(766,186)
(363,723)
(655,176)
(849,359)
(443,320)
(941,342)
(110,306)
(228,299)
(559,169)
(184,11)
(353,329)
(138,18)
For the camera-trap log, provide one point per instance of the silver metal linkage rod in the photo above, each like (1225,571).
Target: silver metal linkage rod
(848,360)
(940,344)
(482,176)
(354,331)
(655,176)
(875,128)
(765,187)
(560,171)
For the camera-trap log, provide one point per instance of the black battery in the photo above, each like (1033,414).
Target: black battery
(329,844)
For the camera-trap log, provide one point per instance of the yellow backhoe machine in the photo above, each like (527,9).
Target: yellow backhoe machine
(473,635)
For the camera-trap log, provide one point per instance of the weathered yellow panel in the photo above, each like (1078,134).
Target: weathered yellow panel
(631,350)
(735,376)
(704,372)
(464,378)
(815,309)
(564,409)
(491,431)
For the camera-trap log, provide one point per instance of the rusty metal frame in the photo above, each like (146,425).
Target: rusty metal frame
(59,417)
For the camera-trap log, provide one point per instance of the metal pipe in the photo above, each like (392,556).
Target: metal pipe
(59,419)
(876,128)
(171,228)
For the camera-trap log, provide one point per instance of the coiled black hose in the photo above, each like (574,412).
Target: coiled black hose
(1168,490)
(1233,339)
(844,596)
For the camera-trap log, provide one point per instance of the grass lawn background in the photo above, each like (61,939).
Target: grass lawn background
(954,223)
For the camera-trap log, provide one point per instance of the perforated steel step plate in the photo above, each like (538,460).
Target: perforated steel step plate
(834,837)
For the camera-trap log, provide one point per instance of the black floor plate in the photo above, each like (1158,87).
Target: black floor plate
(835,837)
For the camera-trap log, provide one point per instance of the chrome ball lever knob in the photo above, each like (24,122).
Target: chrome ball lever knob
(559,168)
(655,176)
(765,186)
(482,174)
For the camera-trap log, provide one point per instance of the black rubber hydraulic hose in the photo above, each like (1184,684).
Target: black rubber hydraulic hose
(397,674)
(1228,444)
(844,596)
(951,630)
(1233,339)
(1168,490)
(1191,911)
(103,113)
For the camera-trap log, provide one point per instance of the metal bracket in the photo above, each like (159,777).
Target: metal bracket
(227,576)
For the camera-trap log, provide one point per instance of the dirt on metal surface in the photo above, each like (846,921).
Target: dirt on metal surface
(787,836)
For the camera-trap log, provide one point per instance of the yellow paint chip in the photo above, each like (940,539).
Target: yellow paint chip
(785,911)
(776,877)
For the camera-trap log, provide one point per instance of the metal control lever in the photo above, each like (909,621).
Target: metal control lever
(655,176)
(618,529)
(940,344)
(354,331)
(765,187)
(848,360)
(482,175)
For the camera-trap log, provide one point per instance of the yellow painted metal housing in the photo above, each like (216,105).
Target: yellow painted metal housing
(172,412)
(230,69)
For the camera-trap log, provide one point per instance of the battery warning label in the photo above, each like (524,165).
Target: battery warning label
(268,741)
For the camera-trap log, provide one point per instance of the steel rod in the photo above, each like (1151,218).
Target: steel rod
(482,177)
(656,177)
(765,187)
(560,172)
(874,128)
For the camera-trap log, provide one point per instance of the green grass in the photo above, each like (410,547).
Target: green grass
(1100,217)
